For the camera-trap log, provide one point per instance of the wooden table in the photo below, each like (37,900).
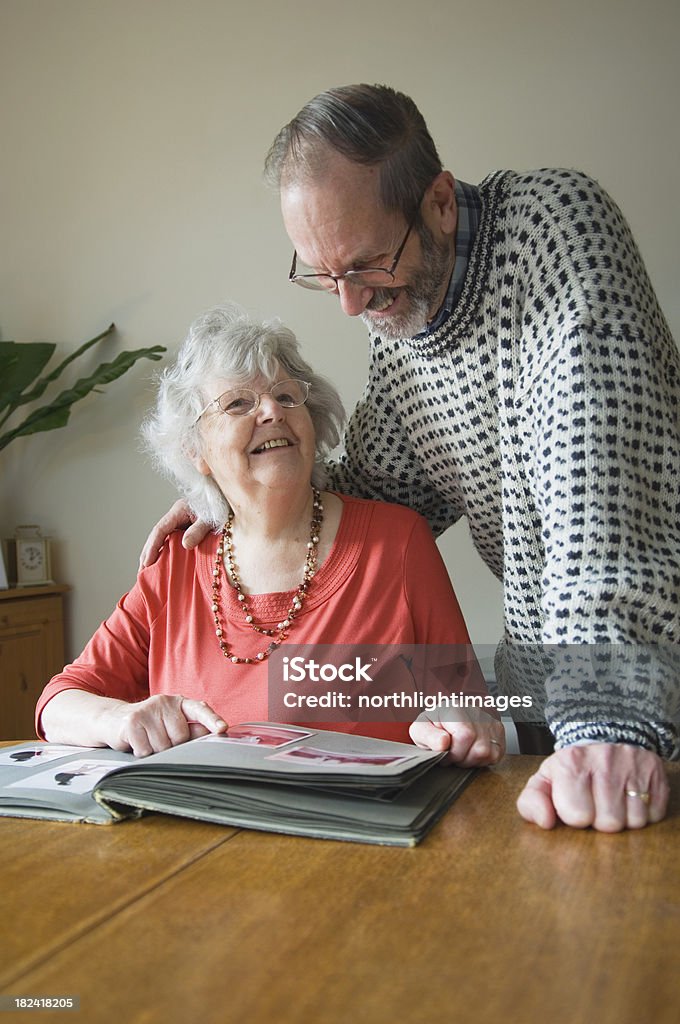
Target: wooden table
(489,919)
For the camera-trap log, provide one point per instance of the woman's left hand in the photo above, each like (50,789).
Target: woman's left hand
(473,738)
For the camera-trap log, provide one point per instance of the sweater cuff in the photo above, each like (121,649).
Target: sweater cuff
(661,738)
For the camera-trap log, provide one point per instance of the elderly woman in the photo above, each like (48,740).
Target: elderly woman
(242,424)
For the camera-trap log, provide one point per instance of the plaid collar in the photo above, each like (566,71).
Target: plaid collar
(469,214)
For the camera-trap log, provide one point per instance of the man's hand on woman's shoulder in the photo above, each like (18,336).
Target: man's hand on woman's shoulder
(178,517)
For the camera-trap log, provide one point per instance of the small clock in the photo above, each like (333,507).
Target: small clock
(32,557)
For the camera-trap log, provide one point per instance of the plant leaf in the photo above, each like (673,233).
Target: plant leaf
(40,386)
(57,412)
(20,364)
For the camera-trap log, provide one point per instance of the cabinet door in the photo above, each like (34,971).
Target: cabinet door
(31,652)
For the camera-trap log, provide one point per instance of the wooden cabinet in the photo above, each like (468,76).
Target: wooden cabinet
(31,652)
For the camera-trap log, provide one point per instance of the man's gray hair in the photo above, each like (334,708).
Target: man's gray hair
(367,124)
(225,342)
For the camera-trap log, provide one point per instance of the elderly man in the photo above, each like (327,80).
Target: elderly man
(522,375)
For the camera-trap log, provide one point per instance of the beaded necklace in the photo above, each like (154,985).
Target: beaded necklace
(225,548)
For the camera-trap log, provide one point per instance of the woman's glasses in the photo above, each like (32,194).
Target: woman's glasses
(243,401)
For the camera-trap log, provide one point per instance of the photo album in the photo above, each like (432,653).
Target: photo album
(258,775)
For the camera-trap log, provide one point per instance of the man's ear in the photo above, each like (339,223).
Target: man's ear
(440,209)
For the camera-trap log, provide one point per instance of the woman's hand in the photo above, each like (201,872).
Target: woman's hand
(158,723)
(473,738)
(178,517)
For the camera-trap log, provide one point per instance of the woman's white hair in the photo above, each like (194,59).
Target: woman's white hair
(225,342)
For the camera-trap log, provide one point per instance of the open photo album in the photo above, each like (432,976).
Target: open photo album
(258,775)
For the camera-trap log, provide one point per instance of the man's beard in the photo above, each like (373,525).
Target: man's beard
(423,292)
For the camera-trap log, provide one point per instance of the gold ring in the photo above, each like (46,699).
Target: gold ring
(645,797)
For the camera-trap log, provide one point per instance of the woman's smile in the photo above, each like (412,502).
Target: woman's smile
(274,442)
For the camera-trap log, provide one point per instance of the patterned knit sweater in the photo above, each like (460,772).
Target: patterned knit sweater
(546,411)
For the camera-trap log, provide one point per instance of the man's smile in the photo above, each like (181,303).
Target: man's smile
(382,299)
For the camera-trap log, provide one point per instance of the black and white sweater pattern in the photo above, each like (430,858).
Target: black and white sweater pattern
(546,411)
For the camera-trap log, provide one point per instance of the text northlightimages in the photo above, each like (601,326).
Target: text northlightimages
(414,699)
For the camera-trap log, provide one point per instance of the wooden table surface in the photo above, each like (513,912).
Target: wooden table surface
(489,919)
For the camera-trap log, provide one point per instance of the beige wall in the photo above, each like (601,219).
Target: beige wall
(132,135)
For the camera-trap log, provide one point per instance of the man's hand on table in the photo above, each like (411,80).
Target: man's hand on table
(608,786)
(178,517)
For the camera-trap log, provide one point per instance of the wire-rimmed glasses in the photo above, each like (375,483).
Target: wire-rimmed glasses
(289,394)
(367,277)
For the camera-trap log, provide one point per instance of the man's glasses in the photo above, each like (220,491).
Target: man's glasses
(243,401)
(368,277)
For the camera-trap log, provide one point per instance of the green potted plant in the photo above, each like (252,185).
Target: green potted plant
(24,379)
(22,382)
